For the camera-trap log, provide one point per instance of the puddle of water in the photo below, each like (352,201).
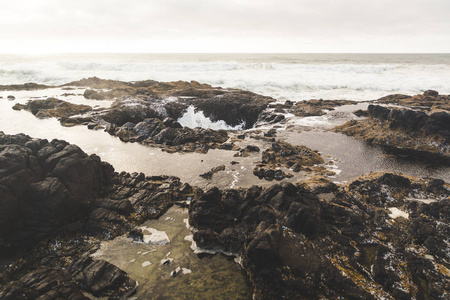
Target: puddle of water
(355,157)
(208,277)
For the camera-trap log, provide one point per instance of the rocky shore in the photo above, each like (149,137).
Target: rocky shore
(146,111)
(424,125)
(380,236)
(57,204)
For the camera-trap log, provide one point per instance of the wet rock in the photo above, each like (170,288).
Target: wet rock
(43,283)
(91,94)
(287,235)
(314,107)
(166,261)
(226,146)
(26,87)
(430,93)
(361,113)
(283,154)
(428,101)
(435,186)
(271,133)
(403,129)
(57,204)
(10,97)
(214,170)
(136,235)
(53,107)
(175,272)
(101,278)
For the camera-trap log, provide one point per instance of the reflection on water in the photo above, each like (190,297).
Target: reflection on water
(355,157)
(210,277)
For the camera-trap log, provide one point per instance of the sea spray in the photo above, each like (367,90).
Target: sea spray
(192,119)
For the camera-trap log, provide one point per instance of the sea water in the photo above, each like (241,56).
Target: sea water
(282,76)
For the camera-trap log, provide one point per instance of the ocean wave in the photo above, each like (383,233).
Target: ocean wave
(276,78)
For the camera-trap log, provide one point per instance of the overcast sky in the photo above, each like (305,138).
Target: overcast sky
(225,26)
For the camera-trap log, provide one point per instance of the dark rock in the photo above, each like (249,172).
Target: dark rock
(136,235)
(91,94)
(430,93)
(101,278)
(43,283)
(214,170)
(271,133)
(435,186)
(378,112)
(361,113)
(295,245)
(228,146)
(207,175)
(250,148)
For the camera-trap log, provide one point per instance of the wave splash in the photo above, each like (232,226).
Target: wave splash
(278,77)
(192,119)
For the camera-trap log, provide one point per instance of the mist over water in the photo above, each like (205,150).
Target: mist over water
(282,76)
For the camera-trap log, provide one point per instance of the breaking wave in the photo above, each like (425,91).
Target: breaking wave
(192,119)
(280,76)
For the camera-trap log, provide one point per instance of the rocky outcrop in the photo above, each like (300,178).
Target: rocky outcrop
(403,129)
(232,106)
(308,108)
(170,135)
(24,87)
(412,121)
(56,205)
(282,154)
(295,244)
(428,101)
(149,105)
(44,186)
(43,283)
(55,108)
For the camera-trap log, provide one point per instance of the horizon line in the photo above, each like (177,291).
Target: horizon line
(205,53)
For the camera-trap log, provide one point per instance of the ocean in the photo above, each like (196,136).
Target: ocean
(281,76)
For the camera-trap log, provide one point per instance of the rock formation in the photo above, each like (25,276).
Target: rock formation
(403,129)
(295,244)
(56,204)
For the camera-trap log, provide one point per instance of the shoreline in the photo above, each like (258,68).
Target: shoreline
(296,202)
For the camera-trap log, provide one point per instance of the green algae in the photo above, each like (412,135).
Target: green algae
(201,276)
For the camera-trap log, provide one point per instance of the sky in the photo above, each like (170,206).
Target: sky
(222,26)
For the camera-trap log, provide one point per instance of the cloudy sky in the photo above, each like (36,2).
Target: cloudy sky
(225,26)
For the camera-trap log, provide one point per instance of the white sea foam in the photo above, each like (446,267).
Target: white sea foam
(283,76)
(192,119)
(154,237)
(395,213)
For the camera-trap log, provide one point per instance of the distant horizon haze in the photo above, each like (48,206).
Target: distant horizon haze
(225,26)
